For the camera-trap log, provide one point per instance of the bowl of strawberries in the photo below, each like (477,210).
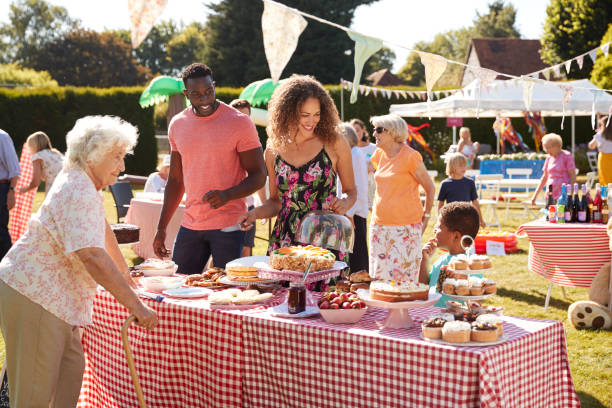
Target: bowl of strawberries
(341,307)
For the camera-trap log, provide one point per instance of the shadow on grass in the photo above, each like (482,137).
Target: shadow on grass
(536,298)
(589,401)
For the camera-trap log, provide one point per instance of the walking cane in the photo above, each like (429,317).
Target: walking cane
(130,360)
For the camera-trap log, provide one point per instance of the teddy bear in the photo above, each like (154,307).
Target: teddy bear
(594,313)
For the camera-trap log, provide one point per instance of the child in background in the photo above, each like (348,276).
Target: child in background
(457,187)
(467,147)
(46,160)
(156,183)
(454,221)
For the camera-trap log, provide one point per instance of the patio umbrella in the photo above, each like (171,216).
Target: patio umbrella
(159,89)
(259,92)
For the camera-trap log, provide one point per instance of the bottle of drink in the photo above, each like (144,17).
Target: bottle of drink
(576,204)
(569,204)
(550,201)
(605,211)
(552,214)
(583,208)
(561,205)
(597,204)
(589,205)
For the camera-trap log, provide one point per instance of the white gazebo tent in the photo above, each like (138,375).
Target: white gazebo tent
(505,98)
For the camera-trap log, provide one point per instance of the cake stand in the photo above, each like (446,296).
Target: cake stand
(399,312)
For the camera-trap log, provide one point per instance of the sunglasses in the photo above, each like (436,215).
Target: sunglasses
(379,129)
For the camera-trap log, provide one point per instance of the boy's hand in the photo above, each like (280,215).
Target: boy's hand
(483,224)
(430,247)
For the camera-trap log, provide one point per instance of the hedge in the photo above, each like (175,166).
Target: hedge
(55,110)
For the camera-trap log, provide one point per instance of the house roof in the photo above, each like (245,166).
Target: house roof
(383,77)
(513,56)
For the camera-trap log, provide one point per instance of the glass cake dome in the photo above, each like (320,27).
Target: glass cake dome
(326,230)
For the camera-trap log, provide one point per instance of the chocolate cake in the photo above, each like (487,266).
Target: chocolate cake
(126,233)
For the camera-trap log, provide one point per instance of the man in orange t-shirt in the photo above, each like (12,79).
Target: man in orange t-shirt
(217,160)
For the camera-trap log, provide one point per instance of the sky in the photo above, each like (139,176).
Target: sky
(402,22)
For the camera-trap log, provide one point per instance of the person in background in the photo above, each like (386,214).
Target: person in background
(457,187)
(49,278)
(455,220)
(559,167)
(243,106)
(156,183)
(305,152)
(467,147)
(398,218)
(603,142)
(367,148)
(358,261)
(46,161)
(9,175)
(217,160)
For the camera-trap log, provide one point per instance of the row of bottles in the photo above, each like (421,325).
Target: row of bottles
(576,208)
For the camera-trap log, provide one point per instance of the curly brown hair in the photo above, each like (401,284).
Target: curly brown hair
(284,108)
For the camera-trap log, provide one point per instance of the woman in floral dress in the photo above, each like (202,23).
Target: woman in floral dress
(304,154)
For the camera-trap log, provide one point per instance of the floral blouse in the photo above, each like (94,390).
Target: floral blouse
(42,264)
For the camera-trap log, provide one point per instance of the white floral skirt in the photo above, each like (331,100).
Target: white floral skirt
(395,252)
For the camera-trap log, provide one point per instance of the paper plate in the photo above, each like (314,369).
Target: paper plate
(188,293)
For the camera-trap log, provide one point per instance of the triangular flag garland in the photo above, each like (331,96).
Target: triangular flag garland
(390,93)
(143,14)
(596,93)
(435,65)
(568,92)
(281,29)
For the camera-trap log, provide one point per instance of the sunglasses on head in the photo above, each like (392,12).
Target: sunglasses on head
(379,129)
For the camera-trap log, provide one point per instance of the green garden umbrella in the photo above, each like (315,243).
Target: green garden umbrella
(159,89)
(259,92)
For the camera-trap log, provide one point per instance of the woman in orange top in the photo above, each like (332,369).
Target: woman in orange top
(398,217)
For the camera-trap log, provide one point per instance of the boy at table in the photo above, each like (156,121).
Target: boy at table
(217,160)
(455,220)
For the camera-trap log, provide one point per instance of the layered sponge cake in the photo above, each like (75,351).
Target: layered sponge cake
(398,292)
(297,258)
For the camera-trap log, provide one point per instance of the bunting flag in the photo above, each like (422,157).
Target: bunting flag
(596,93)
(580,61)
(365,47)
(281,29)
(557,70)
(605,48)
(535,122)
(143,14)
(485,77)
(568,92)
(593,54)
(568,66)
(435,66)
(527,92)
(19,216)
(415,136)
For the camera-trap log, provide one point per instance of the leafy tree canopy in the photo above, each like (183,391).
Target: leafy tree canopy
(602,70)
(234,45)
(32,24)
(88,58)
(573,27)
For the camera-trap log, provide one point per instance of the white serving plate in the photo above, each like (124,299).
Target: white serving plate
(194,292)
(480,297)
(499,340)
(227,281)
(282,310)
(364,294)
(472,271)
(254,261)
(161,283)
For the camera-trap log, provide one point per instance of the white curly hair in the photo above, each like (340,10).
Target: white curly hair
(94,136)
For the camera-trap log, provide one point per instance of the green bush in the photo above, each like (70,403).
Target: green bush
(55,110)
(14,74)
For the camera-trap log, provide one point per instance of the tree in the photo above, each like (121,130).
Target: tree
(88,58)
(573,27)
(234,44)
(187,47)
(13,74)
(453,44)
(33,23)
(384,58)
(602,70)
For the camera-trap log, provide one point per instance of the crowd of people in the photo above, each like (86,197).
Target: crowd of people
(311,161)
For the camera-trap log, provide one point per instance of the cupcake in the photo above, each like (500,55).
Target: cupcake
(462,288)
(495,320)
(475,263)
(486,262)
(448,286)
(476,286)
(484,332)
(454,305)
(458,264)
(456,332)
(489,286)
(432,327)
(460,275)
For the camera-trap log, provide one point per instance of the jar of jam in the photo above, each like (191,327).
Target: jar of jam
(296,300)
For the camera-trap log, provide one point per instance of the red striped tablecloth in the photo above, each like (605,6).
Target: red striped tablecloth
(202,358)
(566,254)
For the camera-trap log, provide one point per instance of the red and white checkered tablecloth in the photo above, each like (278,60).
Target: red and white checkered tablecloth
(202,358)
(566,254)
(310,363)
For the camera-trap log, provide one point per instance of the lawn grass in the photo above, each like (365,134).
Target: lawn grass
(521,293)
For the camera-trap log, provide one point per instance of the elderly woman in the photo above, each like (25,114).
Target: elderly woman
(358,261)
(398,218)
(156,183)
(559,167)
(49,278)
